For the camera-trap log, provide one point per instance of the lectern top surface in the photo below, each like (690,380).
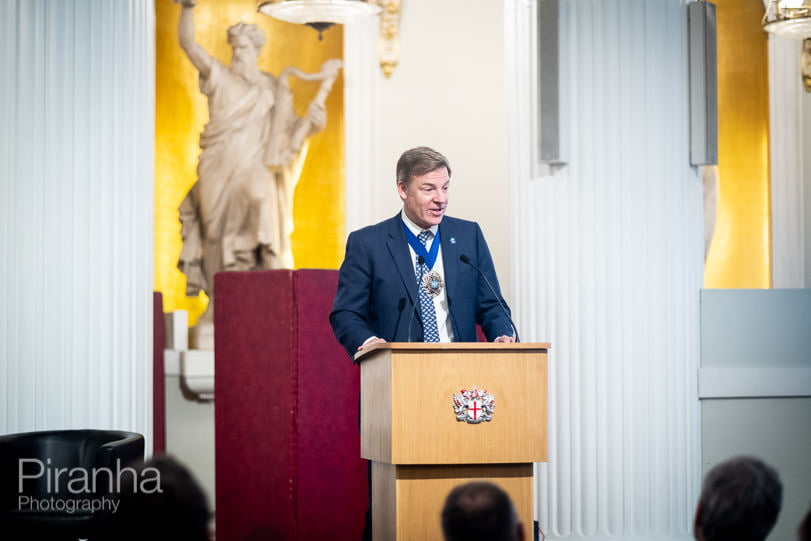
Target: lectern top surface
(451,346)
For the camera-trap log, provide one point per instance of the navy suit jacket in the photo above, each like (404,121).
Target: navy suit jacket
(377,289)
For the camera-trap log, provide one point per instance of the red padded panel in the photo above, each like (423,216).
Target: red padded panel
(286,397)
(331,475)
(158,381)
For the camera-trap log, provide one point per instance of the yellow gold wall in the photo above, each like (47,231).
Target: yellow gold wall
(181,113)
(740,253)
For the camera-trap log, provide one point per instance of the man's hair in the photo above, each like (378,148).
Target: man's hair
(804,530)
(479,510)
(251,31)
(179,511)
(740,500)
(418,161)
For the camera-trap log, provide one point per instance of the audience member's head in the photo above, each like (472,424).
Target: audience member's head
(740,501)
(178,510)
(480,511)
(804,531)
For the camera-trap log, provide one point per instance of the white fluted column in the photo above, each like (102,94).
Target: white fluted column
(76,185)
(608,264)
(786,145)
(361,75)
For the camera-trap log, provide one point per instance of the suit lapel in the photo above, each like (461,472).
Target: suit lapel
(450,255)
(398,249)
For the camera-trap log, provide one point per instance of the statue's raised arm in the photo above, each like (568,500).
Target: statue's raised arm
(185,31)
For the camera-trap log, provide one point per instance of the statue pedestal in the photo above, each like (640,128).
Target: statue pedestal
(189,397)
(201,336)
(194,366)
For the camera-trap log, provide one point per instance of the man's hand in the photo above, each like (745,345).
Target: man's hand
(505,338)
(370,342)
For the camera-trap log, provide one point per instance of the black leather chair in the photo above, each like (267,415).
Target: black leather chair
(47,477)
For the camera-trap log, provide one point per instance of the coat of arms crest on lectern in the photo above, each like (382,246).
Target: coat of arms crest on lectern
(474,405)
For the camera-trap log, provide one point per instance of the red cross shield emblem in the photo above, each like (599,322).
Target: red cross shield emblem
(474,405)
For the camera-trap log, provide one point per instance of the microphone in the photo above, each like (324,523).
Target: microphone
(466,259)
(400,306)
(420,263)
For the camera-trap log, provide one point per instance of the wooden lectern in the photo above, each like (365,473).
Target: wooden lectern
(420,451)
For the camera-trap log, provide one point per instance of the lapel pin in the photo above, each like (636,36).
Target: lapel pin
(453,240)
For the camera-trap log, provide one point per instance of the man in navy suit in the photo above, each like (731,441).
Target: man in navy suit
(398,284)
(414,277)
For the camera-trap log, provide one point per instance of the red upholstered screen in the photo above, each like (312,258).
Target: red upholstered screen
(158,380)
(286,400)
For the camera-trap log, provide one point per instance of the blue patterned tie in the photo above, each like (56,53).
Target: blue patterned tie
(430,331)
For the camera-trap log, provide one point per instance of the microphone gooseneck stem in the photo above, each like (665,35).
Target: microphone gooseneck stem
(465,259)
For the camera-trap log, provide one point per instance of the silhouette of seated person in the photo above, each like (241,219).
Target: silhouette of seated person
(804,530)
(173,508)
(480,510)
(740,500)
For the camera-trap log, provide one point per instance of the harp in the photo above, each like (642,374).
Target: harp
(299,110)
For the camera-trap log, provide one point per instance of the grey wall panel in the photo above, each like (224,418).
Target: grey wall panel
(703,84)
(755,387)
(756,328)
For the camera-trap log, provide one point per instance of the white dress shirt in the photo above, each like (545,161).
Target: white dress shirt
(443,321)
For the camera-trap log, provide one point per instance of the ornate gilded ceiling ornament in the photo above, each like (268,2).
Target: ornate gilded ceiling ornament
(322,14)
(389,41)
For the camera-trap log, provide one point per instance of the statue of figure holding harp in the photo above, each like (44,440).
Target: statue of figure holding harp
(238,215)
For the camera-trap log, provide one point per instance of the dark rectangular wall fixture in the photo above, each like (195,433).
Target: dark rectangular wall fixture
(551,59)
(703,84)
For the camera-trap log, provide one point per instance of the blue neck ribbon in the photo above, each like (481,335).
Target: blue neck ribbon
(419,247)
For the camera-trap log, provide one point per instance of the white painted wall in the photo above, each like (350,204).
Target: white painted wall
(448,92)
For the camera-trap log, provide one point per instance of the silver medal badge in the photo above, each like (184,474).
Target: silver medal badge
(432,284)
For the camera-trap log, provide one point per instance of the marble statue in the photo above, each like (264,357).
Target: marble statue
(238,215)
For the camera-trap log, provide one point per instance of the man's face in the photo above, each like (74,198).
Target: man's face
(425,197)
